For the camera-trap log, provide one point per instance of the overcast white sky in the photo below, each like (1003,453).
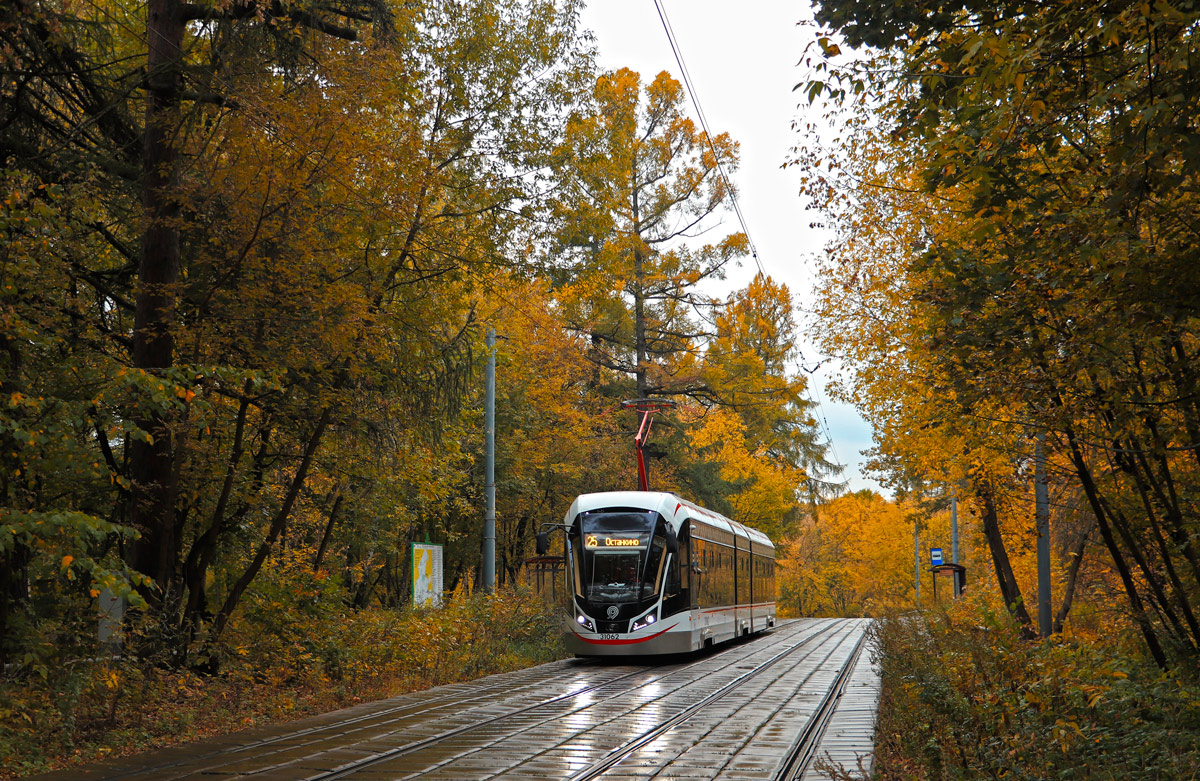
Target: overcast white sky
(742,60)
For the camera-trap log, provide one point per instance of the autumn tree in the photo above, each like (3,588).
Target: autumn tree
(1047,275)
(751,363)
(854,559)
(640,183)
(306,305)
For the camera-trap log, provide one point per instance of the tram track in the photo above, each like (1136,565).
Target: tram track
(381,718)
(761,704)
(621,753)
(366,763)
(804,751)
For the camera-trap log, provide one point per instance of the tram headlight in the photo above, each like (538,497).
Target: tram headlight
(644,621)
(585,622)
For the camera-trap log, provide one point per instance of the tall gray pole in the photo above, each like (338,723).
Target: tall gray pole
(954,541)
(1041,492)
(917,561)
(489,487)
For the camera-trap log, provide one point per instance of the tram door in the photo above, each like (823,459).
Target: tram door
(744,597)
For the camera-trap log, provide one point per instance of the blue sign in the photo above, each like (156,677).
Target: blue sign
(935,556)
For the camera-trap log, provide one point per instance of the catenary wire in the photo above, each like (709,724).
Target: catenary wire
(737,209)
(695,98)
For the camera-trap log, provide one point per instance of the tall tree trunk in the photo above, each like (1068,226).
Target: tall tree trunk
(1164,550)
(152,461)
(639,310)
(333,513)
(204,550)
(1186,389)
(1076,554)
(1135,600)
(1149,573)
(277,524)
(1168,498)
(1009,588)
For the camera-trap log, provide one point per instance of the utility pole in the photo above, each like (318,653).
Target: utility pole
(489,486)
(917,560)
(954,542)
(1041,492)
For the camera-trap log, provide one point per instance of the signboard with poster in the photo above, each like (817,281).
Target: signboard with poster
(427,574)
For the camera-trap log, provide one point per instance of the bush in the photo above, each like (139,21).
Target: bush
(284,656)
(964,697)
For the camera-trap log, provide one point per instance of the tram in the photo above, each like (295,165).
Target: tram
(651,573)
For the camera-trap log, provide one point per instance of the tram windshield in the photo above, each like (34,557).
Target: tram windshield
(614,577)
(620,556)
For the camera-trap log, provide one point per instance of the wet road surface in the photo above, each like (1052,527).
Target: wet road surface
(761,708)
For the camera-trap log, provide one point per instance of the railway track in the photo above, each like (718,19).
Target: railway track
(802,752)
(808,742)
(761,704)
(372,721)
(599,768)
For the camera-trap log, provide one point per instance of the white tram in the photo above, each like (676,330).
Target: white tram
(651,573)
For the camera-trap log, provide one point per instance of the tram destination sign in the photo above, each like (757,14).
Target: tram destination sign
(596,541)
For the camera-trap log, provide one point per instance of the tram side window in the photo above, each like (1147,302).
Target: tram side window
(741,574)
(650,581)
(682,576)
(727,572)
(717,575)
(712,574)
(736,566)
(671,582)
(731,584)
(574,554)
(709,575)
(718,593)
(736,556)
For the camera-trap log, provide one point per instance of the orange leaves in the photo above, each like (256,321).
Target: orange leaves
(850,556)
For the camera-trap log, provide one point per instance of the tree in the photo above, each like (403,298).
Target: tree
(749,367)
(854,559)
(640,182)
(1053,152)
(305,284)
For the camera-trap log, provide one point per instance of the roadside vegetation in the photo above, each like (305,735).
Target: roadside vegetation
(278,663)
(1013,195)
(1012,281)
(965,697)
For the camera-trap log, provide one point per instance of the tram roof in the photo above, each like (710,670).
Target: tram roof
(666,504)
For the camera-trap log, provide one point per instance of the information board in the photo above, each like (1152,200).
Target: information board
(427,574)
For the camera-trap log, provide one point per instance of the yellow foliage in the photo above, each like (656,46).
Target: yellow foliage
(852,556)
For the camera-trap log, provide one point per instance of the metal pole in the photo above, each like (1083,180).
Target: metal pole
(954,540)
(1041,493)
(489,522)
(917,561)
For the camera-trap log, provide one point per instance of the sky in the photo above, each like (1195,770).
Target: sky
(742,58)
